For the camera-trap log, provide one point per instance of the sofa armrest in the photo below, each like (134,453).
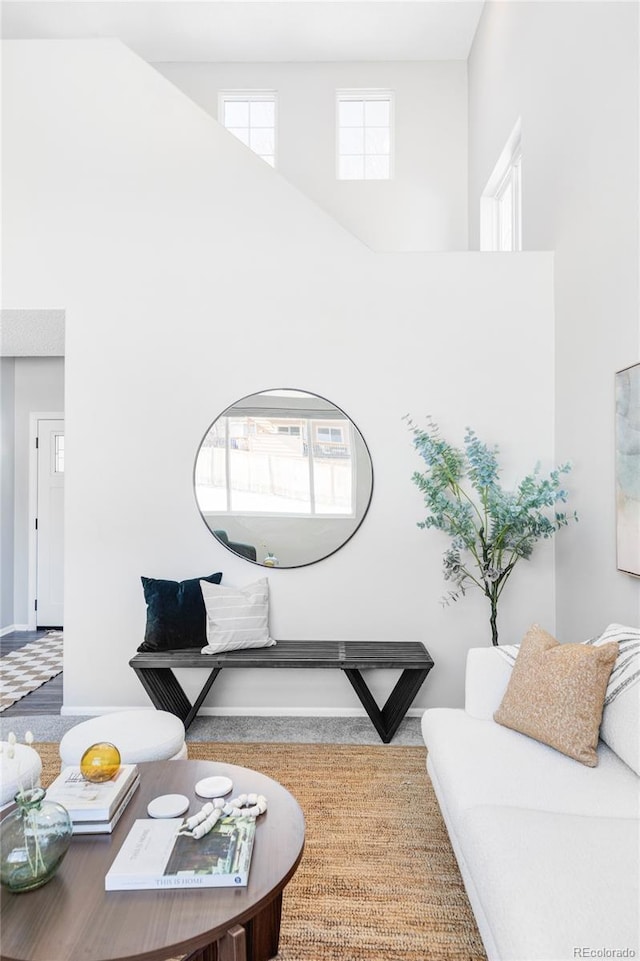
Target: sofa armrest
(486,680)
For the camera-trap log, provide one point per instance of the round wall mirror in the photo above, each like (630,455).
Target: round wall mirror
(283,478)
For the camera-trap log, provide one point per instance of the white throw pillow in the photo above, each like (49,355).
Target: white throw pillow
(237,617)
(620,727)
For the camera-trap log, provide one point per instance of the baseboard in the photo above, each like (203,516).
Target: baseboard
(90,711)
(13,627)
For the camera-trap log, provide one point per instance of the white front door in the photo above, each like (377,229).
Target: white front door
(50,524)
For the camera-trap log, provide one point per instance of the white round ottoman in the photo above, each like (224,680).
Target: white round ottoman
(138,735)
(20,771)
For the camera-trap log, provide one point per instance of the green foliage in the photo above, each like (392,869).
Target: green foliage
(490,528)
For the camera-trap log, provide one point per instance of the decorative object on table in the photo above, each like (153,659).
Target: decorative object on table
(175,613)
(628,469)
(245,805)
(100,762)
(94,806)
(214,786)
(20,765)
(34,837)
(155,854)
(168,806)
(237,617)
(270,560)
(491,529)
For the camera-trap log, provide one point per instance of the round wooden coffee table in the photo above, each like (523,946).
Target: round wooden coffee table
(73,918)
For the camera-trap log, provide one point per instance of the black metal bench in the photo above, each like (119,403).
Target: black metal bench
(156,673)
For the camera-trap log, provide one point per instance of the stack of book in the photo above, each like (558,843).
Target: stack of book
(94,808)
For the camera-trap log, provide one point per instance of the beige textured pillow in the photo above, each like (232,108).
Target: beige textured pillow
(556,693)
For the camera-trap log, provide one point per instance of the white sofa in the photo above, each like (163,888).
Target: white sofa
(548,848)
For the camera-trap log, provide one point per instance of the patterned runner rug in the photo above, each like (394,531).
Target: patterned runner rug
(28,668)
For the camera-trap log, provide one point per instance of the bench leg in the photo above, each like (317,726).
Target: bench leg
(167,694)
(388,720)
(201,696)
(164,689)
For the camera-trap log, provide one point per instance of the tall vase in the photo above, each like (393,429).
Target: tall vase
(34,838)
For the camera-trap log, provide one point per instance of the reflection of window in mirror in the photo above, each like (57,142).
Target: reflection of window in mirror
(267,464)
(328,435)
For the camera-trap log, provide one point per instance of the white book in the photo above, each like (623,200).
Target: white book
(106,827)
(155,855)
(88,800)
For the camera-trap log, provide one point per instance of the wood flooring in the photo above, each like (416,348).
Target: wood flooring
(46,699)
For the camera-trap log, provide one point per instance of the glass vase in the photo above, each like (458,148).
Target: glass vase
(34,839)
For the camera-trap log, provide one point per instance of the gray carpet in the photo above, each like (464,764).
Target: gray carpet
(303,730)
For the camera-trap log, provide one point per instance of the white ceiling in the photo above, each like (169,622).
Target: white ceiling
(258,30)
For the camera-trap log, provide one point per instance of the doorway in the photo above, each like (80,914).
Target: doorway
(47,512)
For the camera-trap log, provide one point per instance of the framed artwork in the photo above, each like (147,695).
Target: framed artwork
(628,469)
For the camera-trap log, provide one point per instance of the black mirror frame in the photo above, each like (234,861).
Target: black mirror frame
(317,560)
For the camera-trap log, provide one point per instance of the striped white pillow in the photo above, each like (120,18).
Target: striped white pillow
(620,727)
(237,617)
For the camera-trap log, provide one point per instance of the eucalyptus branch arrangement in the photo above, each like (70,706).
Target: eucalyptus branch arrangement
(491,529)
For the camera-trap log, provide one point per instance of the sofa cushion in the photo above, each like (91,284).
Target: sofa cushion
(486,677)
(620,727)
(548,883)
(481,762)
(176,617)
(556,693)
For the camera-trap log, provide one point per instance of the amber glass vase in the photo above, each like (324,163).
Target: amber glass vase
(34,838)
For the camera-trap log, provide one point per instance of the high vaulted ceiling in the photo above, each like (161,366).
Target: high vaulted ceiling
(258,30)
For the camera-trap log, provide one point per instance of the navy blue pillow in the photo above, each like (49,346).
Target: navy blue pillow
(176,615)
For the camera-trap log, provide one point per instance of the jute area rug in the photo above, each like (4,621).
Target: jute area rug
(378,880)
(28,668)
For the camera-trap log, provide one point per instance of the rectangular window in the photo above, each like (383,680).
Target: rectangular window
(364,132)
(251,117)
(59,454)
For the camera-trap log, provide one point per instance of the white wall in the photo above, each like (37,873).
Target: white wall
(7,468)
(193,275)
(424,206)
(39,386)
(570,71)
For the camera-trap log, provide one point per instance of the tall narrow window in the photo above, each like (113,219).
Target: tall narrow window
(59,454)
(251,117)
(364,130)
(501,201)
